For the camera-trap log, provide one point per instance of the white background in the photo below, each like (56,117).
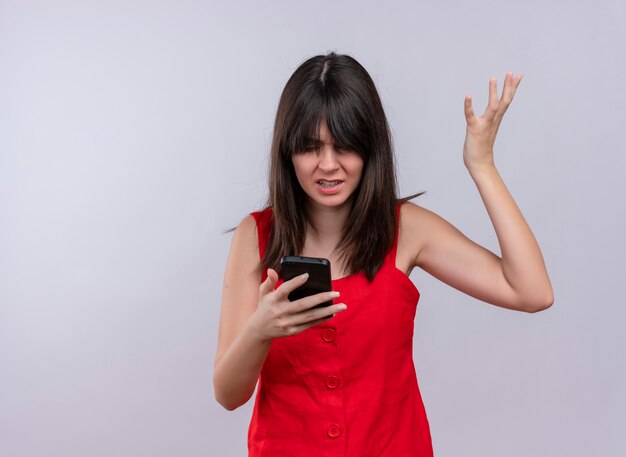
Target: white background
(132,133)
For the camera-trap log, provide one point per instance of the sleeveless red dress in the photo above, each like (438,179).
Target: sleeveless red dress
(347,386)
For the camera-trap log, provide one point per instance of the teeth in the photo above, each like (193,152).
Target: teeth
(329,183)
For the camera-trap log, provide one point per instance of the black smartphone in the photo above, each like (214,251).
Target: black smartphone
(319,276)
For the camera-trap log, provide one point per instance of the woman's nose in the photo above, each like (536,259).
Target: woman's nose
(328,158)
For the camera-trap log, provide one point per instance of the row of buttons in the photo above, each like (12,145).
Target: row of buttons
(328,335)
(332,382)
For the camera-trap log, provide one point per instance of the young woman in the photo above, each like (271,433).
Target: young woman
(340,380)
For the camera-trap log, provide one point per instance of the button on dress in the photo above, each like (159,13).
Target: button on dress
(345,387)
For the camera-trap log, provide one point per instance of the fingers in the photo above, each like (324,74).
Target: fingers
(286,287)
(314,316)
(268,285)
(496,106)
(469,111)
(282,293)
(507,92)
(492,105)
(312,300)
(511,82)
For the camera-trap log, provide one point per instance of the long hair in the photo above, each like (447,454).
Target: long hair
(335,89)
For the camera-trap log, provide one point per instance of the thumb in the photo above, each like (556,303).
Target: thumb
(269,283)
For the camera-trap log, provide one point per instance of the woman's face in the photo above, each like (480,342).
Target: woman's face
(328,175)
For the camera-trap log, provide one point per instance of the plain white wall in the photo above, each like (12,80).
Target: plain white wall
(132,133)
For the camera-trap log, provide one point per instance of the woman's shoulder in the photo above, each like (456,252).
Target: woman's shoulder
(412,214)
(253,232)
(420,221)
(262,216)
(244,247)
(417,224)
(245,234)
(247,225)
(263,223)
(421,227)
(255,223)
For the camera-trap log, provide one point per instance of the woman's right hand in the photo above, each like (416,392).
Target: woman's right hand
(277,317)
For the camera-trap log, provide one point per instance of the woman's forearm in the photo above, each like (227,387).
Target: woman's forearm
(237,371)
(522,262)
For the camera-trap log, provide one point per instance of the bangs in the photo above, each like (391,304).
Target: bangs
(342,114)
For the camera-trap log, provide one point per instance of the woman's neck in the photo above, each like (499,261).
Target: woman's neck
(326,225)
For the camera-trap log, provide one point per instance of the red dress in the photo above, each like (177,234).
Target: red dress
(347,386)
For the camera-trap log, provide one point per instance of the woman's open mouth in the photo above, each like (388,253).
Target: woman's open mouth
(329,187)
(328,184)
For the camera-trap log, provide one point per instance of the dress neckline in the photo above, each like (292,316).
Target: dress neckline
(394,270)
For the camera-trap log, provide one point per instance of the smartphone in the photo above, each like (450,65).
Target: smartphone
(319,276)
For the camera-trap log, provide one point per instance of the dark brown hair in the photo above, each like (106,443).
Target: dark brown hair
(335,89)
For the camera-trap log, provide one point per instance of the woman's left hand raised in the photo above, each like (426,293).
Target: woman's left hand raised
(481,131)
